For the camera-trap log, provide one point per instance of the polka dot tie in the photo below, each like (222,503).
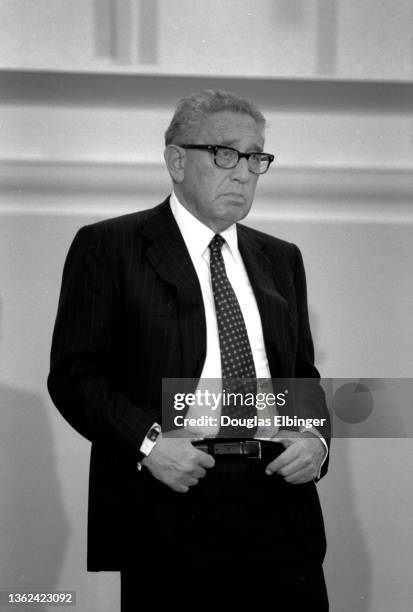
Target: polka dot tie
(238,370)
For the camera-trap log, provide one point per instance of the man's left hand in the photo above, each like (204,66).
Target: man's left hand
(302,459)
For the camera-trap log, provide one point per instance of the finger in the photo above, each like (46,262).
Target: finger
(205,459)
(179,488)
(302,476)
(289,455)
(305,459)
(300,473)
(190,481)
(292,468)
(294,474)
(199,472)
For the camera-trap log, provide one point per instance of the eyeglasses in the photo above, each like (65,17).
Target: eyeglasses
(228,158)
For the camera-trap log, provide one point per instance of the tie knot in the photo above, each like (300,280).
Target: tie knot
(216,243)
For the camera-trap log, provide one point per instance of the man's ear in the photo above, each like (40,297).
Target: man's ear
(175,162)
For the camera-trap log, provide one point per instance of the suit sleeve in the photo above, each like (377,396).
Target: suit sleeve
(82,382)
(309,395)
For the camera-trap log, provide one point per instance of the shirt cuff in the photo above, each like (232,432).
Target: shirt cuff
(317,434)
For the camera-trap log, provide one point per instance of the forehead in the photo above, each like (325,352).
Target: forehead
(230,128)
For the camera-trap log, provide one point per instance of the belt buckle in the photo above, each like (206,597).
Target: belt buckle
(252,445)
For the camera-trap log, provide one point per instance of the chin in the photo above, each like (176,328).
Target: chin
(230,213)
(237,212)
(223,222)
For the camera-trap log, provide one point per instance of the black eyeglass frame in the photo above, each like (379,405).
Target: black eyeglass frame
(215,148)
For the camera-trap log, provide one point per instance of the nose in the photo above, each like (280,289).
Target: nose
(240,172)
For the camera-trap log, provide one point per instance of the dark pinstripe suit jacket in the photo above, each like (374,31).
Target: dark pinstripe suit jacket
(131,312)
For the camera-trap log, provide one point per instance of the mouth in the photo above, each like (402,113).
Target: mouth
(234,195)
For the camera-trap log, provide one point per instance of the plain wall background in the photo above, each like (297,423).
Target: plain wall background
(76,148)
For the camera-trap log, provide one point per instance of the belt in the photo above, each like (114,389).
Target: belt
(252,449)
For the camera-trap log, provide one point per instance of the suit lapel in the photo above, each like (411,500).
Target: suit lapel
(170,258)
(272,306)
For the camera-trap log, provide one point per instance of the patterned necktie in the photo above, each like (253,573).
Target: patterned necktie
(238,370)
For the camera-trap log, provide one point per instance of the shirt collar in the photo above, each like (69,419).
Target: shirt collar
(196,235)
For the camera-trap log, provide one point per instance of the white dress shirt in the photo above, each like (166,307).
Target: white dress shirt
(197,237)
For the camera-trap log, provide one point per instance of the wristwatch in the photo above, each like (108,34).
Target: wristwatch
(150,439)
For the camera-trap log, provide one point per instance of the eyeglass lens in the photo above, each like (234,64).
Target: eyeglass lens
(228,158)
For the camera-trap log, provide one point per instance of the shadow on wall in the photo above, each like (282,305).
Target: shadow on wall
(347,566)
(315,325)
(33,526)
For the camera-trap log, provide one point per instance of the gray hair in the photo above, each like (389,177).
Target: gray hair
(191,112)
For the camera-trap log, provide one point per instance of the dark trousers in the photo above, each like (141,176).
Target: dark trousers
(286,589)
(238,535)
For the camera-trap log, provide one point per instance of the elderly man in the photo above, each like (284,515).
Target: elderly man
(182,291)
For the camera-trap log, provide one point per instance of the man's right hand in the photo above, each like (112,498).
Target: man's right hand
(177,463)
